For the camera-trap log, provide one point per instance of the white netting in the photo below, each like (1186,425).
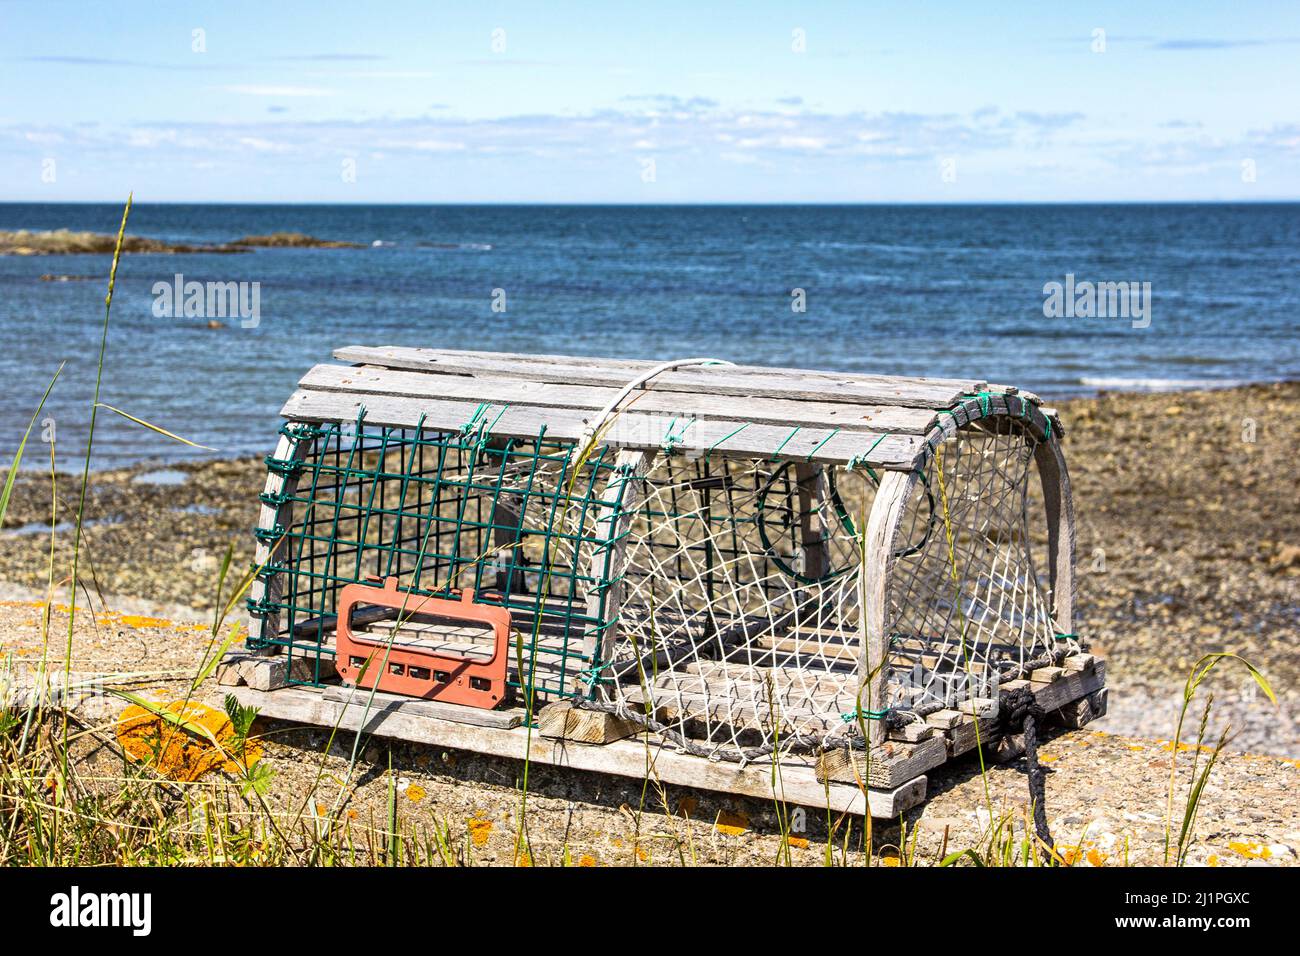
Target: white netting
(740,624)
(967,605)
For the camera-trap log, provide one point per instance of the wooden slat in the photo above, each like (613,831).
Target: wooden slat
(755,381)
(630,430)
(721,710)
(1058,512)
(565,722)
(885,766)
(383,703)
(269,590)
(503,390)
(608,561)
(629,758)
(641,365)
(823,693)
(882,528)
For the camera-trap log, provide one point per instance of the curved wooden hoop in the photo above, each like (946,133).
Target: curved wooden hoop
(887,512)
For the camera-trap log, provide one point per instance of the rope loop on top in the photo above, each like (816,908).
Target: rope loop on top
(591,430)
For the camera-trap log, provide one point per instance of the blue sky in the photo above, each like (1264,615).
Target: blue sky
(649,102)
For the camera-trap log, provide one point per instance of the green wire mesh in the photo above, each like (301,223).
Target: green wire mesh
(513,520)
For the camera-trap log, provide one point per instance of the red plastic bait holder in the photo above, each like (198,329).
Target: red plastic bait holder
(431,650)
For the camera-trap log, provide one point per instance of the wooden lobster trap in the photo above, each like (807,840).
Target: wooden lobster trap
(841,573)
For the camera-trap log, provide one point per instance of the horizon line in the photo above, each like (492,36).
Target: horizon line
(1270,201)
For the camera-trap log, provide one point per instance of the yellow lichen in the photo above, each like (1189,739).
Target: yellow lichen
(180,753)
(140,620)
(731,824)
(479,830)
(1250,849)
(796,841)
(415,793)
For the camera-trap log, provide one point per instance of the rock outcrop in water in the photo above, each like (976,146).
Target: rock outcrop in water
(293,240)
(62,242)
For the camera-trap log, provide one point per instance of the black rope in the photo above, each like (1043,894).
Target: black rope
(1018,711)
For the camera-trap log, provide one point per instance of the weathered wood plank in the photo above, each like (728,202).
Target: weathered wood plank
(1084,710)
(608,562)
(786,684)
(756,381)
(370,380)
(638,759)
(969,733)
(814,493)
(641,365)
(395,703)
(885,766)
(882,528)
(725,710)
(564,721)
(944,719)
(629,429)
(1068,687)
(268,590)
(1058,506)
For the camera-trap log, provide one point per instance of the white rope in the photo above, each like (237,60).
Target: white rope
(588,437)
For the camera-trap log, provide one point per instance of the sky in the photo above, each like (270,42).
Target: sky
(610,102)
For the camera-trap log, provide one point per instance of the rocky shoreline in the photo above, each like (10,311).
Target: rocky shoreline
(1189,543)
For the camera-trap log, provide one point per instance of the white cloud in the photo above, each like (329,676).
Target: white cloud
(262,145)
(253,90)
(996,146)
(437,146)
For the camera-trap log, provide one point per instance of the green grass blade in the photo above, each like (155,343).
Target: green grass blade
(22,445)
(153,428)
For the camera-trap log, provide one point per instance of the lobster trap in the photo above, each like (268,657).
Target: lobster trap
(743,562)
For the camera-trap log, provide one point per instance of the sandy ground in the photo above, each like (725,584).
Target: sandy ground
(1189,543)
(1105,792)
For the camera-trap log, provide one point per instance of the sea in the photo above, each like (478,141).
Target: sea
(933,290)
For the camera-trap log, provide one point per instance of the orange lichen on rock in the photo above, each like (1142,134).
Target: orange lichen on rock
(142,620)
(732,824)
(479,830)
(180,753)
(1250,849)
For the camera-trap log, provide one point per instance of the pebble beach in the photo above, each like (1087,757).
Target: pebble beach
(1189,543)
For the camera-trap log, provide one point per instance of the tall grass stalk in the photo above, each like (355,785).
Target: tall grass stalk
(1196,789)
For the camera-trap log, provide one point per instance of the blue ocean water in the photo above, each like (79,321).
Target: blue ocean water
(915,290)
